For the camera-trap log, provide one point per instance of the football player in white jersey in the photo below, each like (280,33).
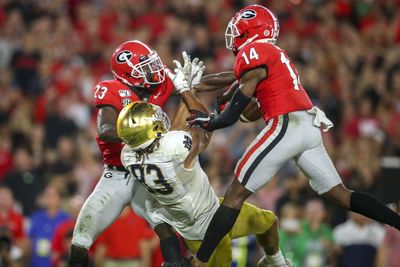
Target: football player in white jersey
(165,163)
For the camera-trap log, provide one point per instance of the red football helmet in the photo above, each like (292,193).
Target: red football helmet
(135,64)
(251,23)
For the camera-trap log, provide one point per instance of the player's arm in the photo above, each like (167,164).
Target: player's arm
(107,124)
(215,81)
(247,87)
(200,138)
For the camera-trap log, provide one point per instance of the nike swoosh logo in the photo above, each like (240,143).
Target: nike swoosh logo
(155,97)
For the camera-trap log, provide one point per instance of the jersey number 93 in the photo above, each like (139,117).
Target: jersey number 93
(151,177)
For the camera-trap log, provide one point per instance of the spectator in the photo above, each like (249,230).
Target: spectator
(359,239)
(25,180)
(316,240)
(63,234)
(290,228)
(294,186)
(25,63)
(43,224)
(10,256)
(11,219)
(244,251)
(127,242)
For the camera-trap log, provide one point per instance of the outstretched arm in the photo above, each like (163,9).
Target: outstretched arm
(200,138)
(247,88)
(215,81)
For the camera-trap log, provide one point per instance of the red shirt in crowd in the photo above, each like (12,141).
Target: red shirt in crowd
(15,222)
(122,238)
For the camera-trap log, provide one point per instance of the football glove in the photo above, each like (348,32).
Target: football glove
(201,119)
(197,70)
(178,78)
(193,70)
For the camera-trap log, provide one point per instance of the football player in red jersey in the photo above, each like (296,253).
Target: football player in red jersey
(139,76)
(293,129)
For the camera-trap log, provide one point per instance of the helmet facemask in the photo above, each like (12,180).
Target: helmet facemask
(231,33)
(150,69)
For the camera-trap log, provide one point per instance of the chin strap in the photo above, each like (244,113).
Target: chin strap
(251,39)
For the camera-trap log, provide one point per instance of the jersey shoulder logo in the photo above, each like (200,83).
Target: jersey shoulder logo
(124,93)
(187,142)
(126,101)
(124,56)
(248,14)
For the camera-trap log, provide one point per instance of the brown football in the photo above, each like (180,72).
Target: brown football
(251,112)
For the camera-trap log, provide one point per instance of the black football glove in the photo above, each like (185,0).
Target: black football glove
(183,262)
(201,119)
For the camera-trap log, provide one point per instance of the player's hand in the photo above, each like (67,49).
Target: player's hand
(187,66)
(193,70)
(197,263)
(178,78)
(197,70)
(198,118)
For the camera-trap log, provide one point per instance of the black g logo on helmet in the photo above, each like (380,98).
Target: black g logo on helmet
(123,56)
(248,14)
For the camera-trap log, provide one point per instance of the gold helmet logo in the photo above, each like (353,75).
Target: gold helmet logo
(140,123)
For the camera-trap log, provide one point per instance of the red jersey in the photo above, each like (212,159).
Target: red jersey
(122,238)
(118,95)
(281,92)
(14,221)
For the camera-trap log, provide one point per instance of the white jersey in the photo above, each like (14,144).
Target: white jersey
(187,200)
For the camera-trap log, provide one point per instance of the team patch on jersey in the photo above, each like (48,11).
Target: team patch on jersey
(124,56)
(126,101)
(124,93)
(187,143)
(248,14)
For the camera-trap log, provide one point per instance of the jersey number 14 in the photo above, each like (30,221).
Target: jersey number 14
(284,59)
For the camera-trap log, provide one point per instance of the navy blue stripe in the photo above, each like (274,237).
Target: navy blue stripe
(260,157)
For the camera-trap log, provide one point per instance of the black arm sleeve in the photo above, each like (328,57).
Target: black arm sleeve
(232,113)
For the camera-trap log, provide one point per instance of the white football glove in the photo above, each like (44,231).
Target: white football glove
(197,69)
(193,70)
(178,78)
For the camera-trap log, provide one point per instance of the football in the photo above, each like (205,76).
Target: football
(252,112)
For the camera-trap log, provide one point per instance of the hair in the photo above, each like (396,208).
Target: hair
(142,154)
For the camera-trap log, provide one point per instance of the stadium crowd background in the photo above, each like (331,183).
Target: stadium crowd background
(53,52)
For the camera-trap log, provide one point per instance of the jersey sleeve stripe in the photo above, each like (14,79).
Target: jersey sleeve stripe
(250,152)
(262,155)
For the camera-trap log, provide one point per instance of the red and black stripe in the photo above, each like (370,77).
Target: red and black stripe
(264,153)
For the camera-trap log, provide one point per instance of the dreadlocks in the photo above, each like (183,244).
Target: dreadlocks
(142,154)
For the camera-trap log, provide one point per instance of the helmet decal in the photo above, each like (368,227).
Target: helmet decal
(248,14)
(123,56)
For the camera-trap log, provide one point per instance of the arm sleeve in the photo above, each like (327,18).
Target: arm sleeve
(232,113)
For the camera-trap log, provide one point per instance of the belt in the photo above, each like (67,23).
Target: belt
(116,168)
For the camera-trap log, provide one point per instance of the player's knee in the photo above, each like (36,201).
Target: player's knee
(340,195)
(83,241)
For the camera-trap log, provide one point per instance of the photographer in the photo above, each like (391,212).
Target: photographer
(9,254)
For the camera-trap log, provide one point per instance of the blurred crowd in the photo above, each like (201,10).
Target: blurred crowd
(52,53)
